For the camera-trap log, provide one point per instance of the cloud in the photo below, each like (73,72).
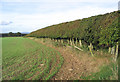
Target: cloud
(32,22)
(29,17)
(5,22)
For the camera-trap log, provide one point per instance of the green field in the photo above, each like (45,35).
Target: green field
(24,59)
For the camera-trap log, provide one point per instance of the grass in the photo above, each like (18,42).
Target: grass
(32,60)
(26,59)
(108,72)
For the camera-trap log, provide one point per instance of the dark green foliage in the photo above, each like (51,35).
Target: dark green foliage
(10,34)
(100,30)
(18,34)
(109,36)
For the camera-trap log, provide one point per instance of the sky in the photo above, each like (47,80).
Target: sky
(31,15)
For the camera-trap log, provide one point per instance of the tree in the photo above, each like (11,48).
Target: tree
(18,34)
(11,34)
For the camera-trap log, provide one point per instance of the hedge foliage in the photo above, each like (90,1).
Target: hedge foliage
(98,30)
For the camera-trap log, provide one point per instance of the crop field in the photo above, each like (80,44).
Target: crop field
(25,59)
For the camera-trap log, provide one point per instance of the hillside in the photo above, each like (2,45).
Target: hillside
(101,30)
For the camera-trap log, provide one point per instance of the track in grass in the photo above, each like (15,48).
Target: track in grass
(24,59)
(80,65)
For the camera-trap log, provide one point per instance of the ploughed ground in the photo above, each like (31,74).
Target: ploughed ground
(76,64)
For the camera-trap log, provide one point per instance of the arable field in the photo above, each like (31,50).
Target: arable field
(24,59)
(42,59)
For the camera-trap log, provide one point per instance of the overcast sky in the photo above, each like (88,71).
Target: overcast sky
(30,15)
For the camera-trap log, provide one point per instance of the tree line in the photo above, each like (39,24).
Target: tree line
(11,34)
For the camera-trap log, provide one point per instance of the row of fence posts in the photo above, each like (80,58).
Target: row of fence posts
(114,51)
(76,42)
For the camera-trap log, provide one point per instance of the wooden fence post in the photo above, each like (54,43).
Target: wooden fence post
(55,40)
(113,50)
(71,42)
(116,54)
(68,41)
(80,43)
(62,41)
(90,48)
(76,41)
(58,40)
(109,50)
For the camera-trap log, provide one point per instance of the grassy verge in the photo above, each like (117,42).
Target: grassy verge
(107,72)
